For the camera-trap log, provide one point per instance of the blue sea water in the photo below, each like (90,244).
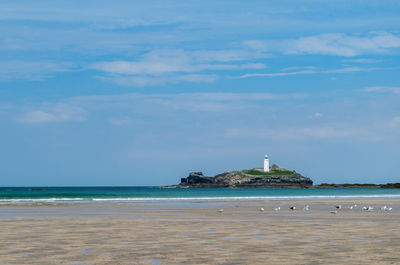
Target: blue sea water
(127,194)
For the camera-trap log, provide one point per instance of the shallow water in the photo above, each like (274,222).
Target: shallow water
(188,196)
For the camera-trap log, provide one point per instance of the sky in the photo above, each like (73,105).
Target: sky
(144,92)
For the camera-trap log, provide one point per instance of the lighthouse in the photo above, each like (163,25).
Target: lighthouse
(266,164)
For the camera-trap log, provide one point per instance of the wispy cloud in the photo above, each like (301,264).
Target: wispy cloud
(382,89)
(344,70)
(343,45)
(184,101)
(54,113)
(363,60)
(331,44)
(278,74)
(76,109)
(29,70)
(161,67)
(143,81)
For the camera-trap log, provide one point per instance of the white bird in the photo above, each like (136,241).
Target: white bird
(261,209)
(355,205)
(333,212)
(389,209)
(306,208)
(351,207)
(277,209)
(338,206)
(384,208)
(369,208)
(293,208)
(221,211)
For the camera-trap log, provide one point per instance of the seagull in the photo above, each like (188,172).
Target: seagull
(333,212)
(293,208)
(338,206)
(277,209)
(355,205)
(389,209)
(306,208)
(351,207)
(221,211)
(384,208)
(369,208)
(261,209)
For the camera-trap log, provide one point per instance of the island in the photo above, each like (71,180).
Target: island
(276,177)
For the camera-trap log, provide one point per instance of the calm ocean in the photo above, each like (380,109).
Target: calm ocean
(126,194)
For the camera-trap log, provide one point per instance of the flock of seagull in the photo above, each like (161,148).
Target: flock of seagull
(336,207)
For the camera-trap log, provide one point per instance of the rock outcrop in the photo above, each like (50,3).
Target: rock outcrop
(277,177)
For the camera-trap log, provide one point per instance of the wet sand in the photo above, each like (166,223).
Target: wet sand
(196,233)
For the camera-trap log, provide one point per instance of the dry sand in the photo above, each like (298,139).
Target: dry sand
(195,233)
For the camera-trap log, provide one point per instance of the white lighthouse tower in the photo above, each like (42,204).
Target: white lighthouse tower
(266,164)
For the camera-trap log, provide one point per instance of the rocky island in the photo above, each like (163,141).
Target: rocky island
(276,178)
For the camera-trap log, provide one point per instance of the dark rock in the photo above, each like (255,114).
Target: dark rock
(391,186)
(196,178)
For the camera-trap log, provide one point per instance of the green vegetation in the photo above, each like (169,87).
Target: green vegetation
(269,174)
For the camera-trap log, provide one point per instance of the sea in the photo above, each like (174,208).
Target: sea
(56,195)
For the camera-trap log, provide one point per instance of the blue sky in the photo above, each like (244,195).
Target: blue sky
(134,93)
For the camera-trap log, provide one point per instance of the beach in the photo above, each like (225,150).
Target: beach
(199,233)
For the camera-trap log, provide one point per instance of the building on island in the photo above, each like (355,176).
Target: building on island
(266,164)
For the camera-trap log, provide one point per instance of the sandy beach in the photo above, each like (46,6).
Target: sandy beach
(196,233)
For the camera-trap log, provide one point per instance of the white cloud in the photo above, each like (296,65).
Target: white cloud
(278,74)
(188,96)
(166,62)
(363,60)
(296,68)
(185,102)
(382,89)
(31,70)
(343,45)
(38,116)
(172,66)
(142,81)
(54,113)
(331,44)
(313,71)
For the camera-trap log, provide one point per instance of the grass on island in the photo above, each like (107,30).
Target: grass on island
(269,174)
